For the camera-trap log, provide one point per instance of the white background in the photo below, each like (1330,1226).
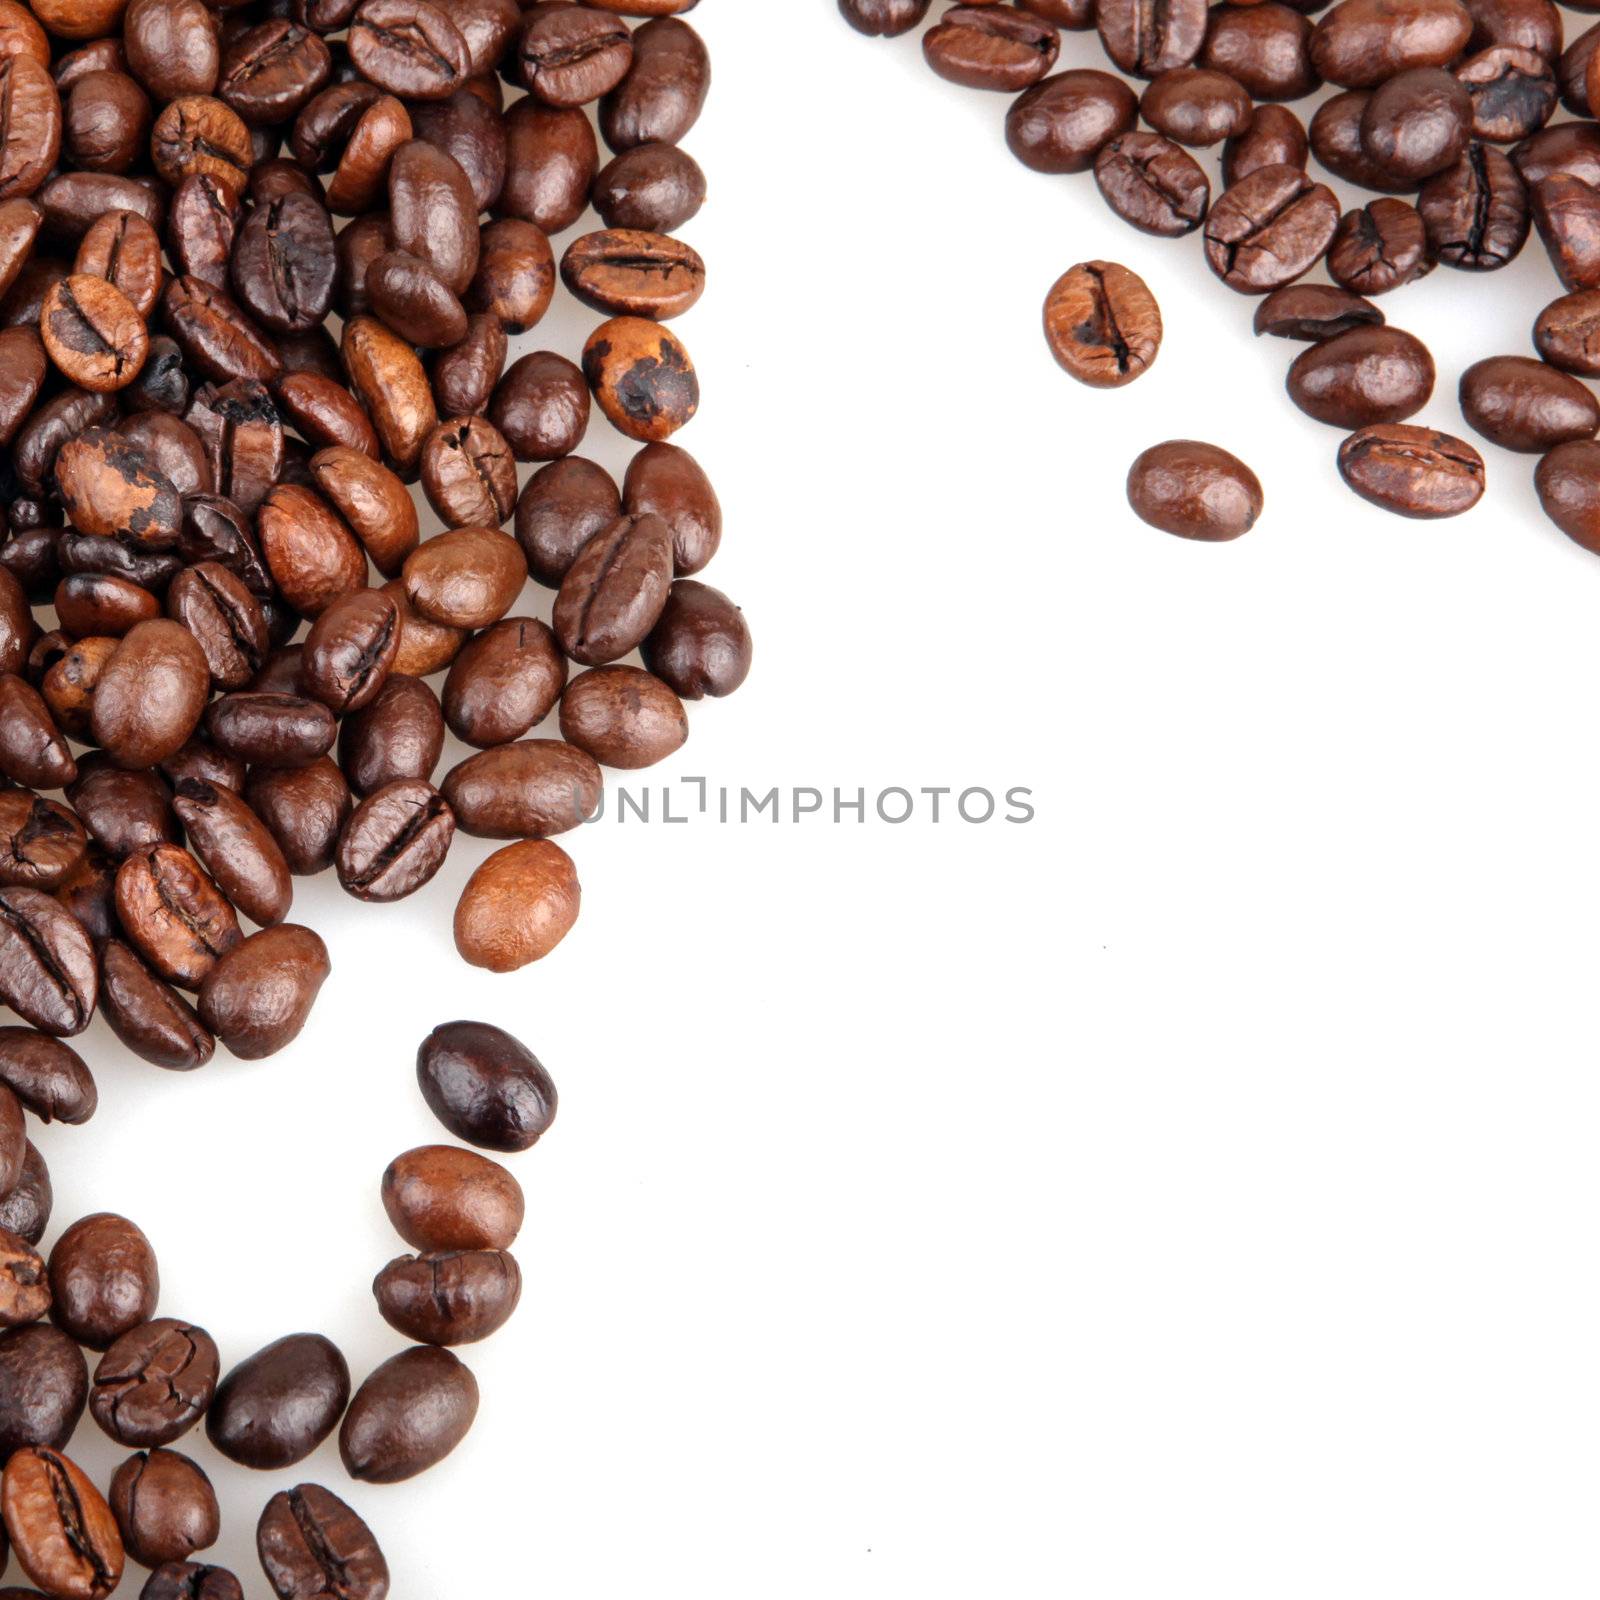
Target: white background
(1190,1192)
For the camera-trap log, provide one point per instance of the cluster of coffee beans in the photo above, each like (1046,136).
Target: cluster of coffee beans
(1446,102)
(159,1377)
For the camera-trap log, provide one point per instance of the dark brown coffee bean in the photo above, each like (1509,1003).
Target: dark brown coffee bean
(92,333)
(991,47)
(399,735)
(60,418)
(615,590)
(1566,212)
(148,1015)
(271,71)
(1265,48)
(165,1507)
(44,1382)
(1522,404)
(174,914)
(373,503)
(216,334)
(154,1384)
(1567,333)
(1413,471)
(883,18)
(30,139)
(24,1288)
(466,577)
(312,555)
(305,809)
(571,54)
(1568,482)
(283,264)
(1477,213)
(1062,123)
(468,474)
(103,1280)
(449,1297)
(1270,228)
(311,1543)
(532,789)
(1153,184)
(1102,324)
(465,375)
(32,751)
(433,213)
(1195,106)
(62,1532)
(655,187)
(205,763)
(235,847)
(47,965)
(22,374)
(485,1086)
(197,133)
(562,507)
(409,47)
(124,812)
(40,843)
(440,1197)
(1572,71)
(1144,37)
(391,383)
(149,698)
(661,98)
(467,128)
(226,620)
(1416,124)
(701,643)
(47,1077)
(1362,43)
(1336,142)
(504,682)
(408,1416)
(275,1407)
(1194,490)
(243,438)
(1366,376)
(1379,247)
(1513,92)
(642,377)
(257,997)
(124,250)
(411,299)
(172,46)
(551,160)
(350,650)
(201,227)
(623,717)
(395,841)
(269,729)
(189,1580)
(541,407)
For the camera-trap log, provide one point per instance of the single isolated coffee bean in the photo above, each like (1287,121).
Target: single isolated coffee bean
(103,1280)
(517,907)
(1194,490)
(1102,324)
(1365,376)
(449,1297)
(442,1198)
(312,1544)
(486,1087)
(1412,471)
(1520,403)
(642,377)
(408,1416)
(279,1404)
(634,274)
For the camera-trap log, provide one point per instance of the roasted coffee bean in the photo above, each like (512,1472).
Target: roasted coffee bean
(1413,471)
(442,1198)
(44,1382)
(1265,48)
(189,1580)
(225,619)
(1567,333)
(205,763)
(408,1416)
(563,505)
(149,1016)
(1362,43)
(201,227)
(174,914)
(655,187)
(165,1507)
(111,489)
(124,811)
(243,438)
(148,699)
(62,1532)
(634,274)
(13,1140)
(154,1384)
(199,134)
(1062,123)
(615,590)
(1270,228)
(883,18)
(1379,247)
(60,418)
(470,130)
(271,71)
(279,1404)
(105,122)
(125,250)
(1477,213)
(311,1543)
(171,46)
(532,789)
(1194,490)
(1522,404)
(350,649)
(1144,37)
(32,751)
(235,847)
(88,893)
(24,1288)
(468,474)
(103,1280)
(1566,212)
(270,729)
(72,200)
(47,1077)
(40,843)
(1573,148)
(623,717)
(284,262)
(1336,142)
(504,682)
(47,966)
(541,406)
(395,841)
(173,448)
(22,374)
(1153,184)
(661,98)
(449,1297)
(357,247)
(464,376)
(216,334)
(312,555)
(390,382)
(1513,92)
(305,809)
(372,501)
(1568,482)
(642,377)
(398,735)
(551,159)
(1364,376)
(409,47)
(1572,71)
(91,332)
(571,54)
(486,1087)
(257,997)
(411,299)
(26,1213)
(1416,124)
(1195,106)
(1102,324)
(465,578)
(700,645)
(433,213)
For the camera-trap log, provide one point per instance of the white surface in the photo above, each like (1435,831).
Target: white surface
(1191,1192)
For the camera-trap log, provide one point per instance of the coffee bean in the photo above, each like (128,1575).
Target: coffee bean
(1194,490)
(1379,247)
(700,644)
(486,1087)
(103,1280)
(225,619)
(24,1287)
(1519,403)
(1513,92)
(1102,324)
(271,71)
(26,1213)
(398,735)
(642,377)
(654,187)
(235,847)
(174,914)
(623,717)
(283,264)
(1368,375)
(633,274)
(279,1404)
(350,649)
(125,812)
(1153,184)
(40,843)
(614,591)
(468,474)
(1413,471)
(410,299)
(62,1532)
(562,507)
(217,335)
(149,1016)
(243,438)
(154,1384)
(408,1416)
(1270,228)
(551,159)
(466,578)
(1062,123)
(449,1297)
(311,1543)
(92,333)
(258,995)
(47,966)
(433,213)
(664,480)
(1144,37)
(390,382)
(569,55)
(883,18)
(44,1382)
(188,1580)
(661,97)
(172,46)
(32,751)
(467,127)
(395,841)
(1568,483)
(1196,106)
(372,501)
(409,47)
(1477,213)
(441,1198)
(1263,48)
(1567,333)
(465,375)
(1362,43)
(305,810)
(541,406)
(164,1506)
(49,1078)
(531,789)
(1417,123)
(125,250)
(1566,212)
(1336,142)
(504,682)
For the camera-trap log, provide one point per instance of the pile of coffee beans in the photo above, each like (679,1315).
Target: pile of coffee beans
(1450,104)
(159,1377)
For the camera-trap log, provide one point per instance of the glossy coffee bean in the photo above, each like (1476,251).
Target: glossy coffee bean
(1265,48)
(399,735)
(1145,37)
(642,377)
(148,1015)
(44,1382)
(449,1297)
(469,474)
(1102,324)
(257,997)
(614,591)
(531,789)
(655,187)
(1477,213)
(191,1580)
(125,250)
(442,1198)
(412,300)
(541,406)
(283,264)
(1566,212)
(390,381)
(1368,375)
(270,730)
(174,914)
(1359,44)
(1522,404)
(504,682)
(1567,333)
(569,55)
(373,503)
(1416,124)
(562,506)
(275,1407)
(124,812)
(623,717)
(47,965)
(112,489)
(634,274)
(396,840)
(350,650)
(62,1532)
(26,1212)
(1568,484)
(305,810)
(40,843)
(664,480)
(155,1383)
(311,1543)
(236,848)
(49,1078)
(409,47)
(226,620)
(465,578)
(665,89)
(1062,123)
(408,1416)
(270,72)
(1513,92)
(1412,471)
(92,333)
(165,1507)
(1270,228)
(103,1280)
(552,157)
(1194,490)
(1378,247)
(24,1287)
(486,1087)
(1195,106)
(1335,136)
(149,698)
(700,644)
(1153,184)
(883,18)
